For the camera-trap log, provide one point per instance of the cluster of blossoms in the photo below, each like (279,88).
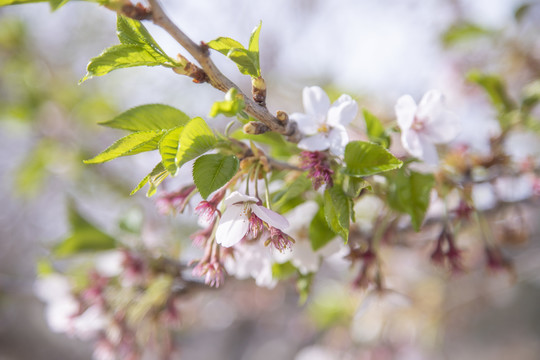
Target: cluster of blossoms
(117,302)
(242,236)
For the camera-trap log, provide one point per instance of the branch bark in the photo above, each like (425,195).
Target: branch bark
(217,79)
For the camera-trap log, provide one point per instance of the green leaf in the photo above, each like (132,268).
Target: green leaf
(283,271)
(84,236)
(224,45)
(132,32)
(278,146)
(156,176)
(121,57)
(365,159)
(303,286)
(254,43)
(319,232)
(531,95)
(211,172)
(231,106)
(495,89)
(57,4)
(290,192)
(168,148)
(196,139)
(410,193)
(336,211)
(247,60)
(353,186)
(522,11)
(129,145)
(375,129)
(18,2)
(148,117)
(463,31)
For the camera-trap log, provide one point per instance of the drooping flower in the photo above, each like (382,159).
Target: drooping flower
(424,125)
(252,259)
(172,202)
(324,124)
(208,208)
(318,167)
(243,216)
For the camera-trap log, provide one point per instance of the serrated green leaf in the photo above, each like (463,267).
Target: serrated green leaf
(168,148)
(129,145)
(211,172)
(375,130)
(224,45)
(133,32)
(319,232)
(410,193)
(246,60)
(196,139)
(495,89)
(159,172)
(84,236)
(121,57)
(283,271)
(336,211)
(148,117)
(365,159)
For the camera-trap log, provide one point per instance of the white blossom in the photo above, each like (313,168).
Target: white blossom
(238,216)
(252,259)
(324,124)
(424,125)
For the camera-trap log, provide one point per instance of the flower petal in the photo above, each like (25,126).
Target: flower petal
(338,139)
(237,197)
(429,151)
(342,111)
(317,142)
(405,110)
(443,129)
(315,100)
(431,106)
(270,217)
(306,123)
(232,226)
(411,142)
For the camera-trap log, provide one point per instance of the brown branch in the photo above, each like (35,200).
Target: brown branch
(217,79)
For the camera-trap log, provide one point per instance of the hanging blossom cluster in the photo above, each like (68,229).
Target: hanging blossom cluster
(125,294)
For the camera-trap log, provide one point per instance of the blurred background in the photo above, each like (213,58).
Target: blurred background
(375,51)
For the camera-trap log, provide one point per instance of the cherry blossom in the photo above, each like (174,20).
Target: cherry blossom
(424,125)
(324,124)
(243,216)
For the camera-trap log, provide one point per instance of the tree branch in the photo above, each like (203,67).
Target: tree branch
(217,79)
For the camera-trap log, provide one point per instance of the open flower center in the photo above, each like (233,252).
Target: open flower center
(323,128)
(418,124)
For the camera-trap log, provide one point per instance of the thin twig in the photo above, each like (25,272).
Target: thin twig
(216,77)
